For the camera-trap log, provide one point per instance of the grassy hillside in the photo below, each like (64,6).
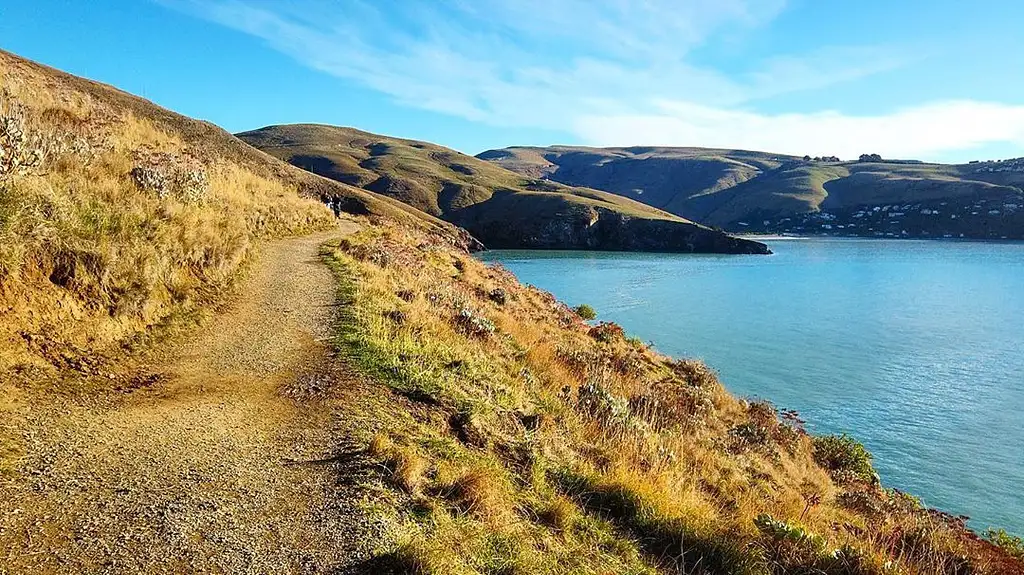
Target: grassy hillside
(117,215)
(743,190)
(662,177)
(501,208)
(509,435)
(532,441)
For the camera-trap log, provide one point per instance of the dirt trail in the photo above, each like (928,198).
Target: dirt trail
(194,471)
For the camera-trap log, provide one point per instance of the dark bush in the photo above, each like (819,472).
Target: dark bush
(474,324)
(606,332)
(498,296)
(749,435)
(397,316)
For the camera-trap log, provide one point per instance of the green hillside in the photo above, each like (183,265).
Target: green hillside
(754,191)
(498,206)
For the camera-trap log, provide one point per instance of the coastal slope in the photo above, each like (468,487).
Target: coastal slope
(501,208)
(185,387)
(747,191)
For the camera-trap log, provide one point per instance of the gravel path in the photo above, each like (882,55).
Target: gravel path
(198,467)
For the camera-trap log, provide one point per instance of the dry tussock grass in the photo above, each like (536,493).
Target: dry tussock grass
(405,467)
(593,452)
(90,260)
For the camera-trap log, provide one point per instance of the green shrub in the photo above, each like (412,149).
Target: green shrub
(749,435)
(845,458)
(792,532)
(585,311)
(1010,543)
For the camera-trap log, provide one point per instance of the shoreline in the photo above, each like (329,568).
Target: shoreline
(785,237)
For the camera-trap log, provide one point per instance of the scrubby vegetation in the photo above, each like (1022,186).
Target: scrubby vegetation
(845,458)
(542,444)
(1010,543)
(111,225)
(585,312)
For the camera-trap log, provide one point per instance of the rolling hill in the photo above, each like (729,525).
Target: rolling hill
(763,192)
(501,208)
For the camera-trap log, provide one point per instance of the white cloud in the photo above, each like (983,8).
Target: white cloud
(920,132)
(611,72)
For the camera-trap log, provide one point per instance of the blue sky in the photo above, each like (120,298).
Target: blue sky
(939,80)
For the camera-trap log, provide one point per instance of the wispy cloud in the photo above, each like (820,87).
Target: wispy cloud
(611,72)
(924,131)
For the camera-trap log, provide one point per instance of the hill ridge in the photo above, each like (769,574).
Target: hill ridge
(752,191)
(499,207)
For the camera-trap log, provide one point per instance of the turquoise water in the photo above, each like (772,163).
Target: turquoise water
(916,348)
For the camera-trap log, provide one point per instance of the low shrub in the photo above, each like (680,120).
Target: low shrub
(585,312)
(845,458)
(695,373)
(607,332)
(189,185)
(598,401)
(151,179)
(498,296)
(672,403)
(474,324)
(792,532)
(749,435)
(1010,543)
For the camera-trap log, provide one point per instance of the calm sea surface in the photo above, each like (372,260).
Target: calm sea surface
(914,347)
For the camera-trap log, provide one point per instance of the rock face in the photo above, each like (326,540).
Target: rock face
(654,235)
(501,208)
(608,230)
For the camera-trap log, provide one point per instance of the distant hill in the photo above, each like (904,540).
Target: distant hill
(501,208)
(763,192)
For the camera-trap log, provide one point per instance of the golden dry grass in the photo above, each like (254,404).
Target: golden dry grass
(591,451)
(90,260)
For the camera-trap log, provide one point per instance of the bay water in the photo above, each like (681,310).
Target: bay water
(916,348)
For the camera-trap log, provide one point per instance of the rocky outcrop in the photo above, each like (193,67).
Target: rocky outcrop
(597,228)
(642,235)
